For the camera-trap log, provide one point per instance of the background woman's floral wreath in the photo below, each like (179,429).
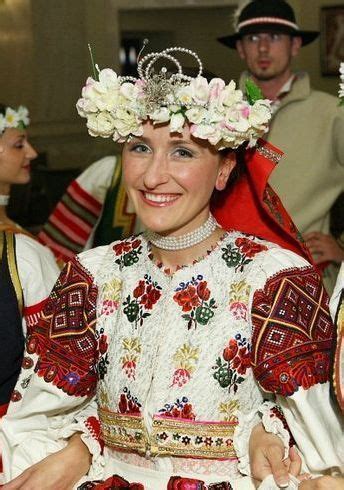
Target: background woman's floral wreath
(117,107)
(341,85)
(14,118)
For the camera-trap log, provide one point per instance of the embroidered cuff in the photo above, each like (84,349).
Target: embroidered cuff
(274,422)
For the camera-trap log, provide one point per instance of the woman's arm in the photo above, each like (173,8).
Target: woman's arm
(59,471)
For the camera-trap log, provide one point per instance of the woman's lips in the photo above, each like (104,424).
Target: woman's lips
(159,200)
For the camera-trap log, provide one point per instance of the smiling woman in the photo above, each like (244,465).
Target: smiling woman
(158,352)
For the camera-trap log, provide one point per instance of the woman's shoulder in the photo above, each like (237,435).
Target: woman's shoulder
(119,253)
(263,257)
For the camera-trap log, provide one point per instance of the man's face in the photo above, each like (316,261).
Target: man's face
(268,55)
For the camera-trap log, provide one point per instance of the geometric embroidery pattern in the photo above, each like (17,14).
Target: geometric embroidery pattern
(292,332)
(64,337)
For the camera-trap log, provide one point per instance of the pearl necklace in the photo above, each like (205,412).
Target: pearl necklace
(4,199)
(184,241)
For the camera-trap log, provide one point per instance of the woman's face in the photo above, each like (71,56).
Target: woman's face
(16,154)
(170,178)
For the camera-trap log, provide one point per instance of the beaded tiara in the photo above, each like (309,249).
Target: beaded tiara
(117,106)
(14,118)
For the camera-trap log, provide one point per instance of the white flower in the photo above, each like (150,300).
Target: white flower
(2,123)
(23,115)
(196,114)
(177,123)
(230,96)
(102,124)
(204,131)
(108,79)
(184,95)
(341,68)
(260,114)
(12,118)
(127,123)
(161,115)
(200,90)
(216,86)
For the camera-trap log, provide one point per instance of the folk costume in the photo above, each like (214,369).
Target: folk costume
(165,375)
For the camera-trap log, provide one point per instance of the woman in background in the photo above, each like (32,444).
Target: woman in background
(27,269)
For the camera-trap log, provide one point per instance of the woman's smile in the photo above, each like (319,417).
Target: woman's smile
(160,200)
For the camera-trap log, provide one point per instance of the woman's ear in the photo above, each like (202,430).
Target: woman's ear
(227,164)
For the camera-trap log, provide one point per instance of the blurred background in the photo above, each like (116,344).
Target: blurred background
(44,62)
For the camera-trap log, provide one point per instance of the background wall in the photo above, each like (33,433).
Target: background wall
(44,59)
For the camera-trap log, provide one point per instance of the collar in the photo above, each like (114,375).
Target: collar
(300,87)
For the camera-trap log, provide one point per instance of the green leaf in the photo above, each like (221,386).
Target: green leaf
(253,92)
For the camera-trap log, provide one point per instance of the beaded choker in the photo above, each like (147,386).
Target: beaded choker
(4,199)
(184,241)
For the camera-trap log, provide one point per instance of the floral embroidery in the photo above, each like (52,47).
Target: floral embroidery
(228,410)
(238,299)
(185,359)
(145,295)
(27,362)
(194,297)
(230,372)
(103,360)
(132,348)
(128,404)
(181,409)
(111,295)
(128,252)
(242,254)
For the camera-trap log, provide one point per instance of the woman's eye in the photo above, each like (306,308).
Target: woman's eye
(184,153)
(19,145)
(139,148)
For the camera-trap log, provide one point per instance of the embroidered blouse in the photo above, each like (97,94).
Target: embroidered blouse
(173,371)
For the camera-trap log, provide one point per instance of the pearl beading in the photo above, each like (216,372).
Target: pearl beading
(184,241)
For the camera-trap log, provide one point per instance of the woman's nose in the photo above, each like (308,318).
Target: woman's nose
(31,153)
(156,172)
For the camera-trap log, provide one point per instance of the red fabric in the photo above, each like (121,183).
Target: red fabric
(251,206)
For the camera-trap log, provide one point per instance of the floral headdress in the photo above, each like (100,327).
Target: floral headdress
(341,85)
(14,118)
(116,106)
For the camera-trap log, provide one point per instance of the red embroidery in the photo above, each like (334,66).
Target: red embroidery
(64,336)
(249,247)
(292,332)
(115,482)
(93,426)
(128,404)
(277,412)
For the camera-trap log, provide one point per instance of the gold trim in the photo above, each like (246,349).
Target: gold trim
(189,438)
(169,437)
(123,431)
(12,266)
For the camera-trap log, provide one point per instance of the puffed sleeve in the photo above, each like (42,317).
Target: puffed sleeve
(59,399)
(292,341)
(38,271)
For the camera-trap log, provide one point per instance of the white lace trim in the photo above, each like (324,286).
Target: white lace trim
(241,439)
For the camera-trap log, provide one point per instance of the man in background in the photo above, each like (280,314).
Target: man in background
(307,125)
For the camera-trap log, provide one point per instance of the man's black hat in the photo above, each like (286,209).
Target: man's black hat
(268,16)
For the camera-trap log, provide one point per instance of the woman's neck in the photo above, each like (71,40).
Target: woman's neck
(172,259)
